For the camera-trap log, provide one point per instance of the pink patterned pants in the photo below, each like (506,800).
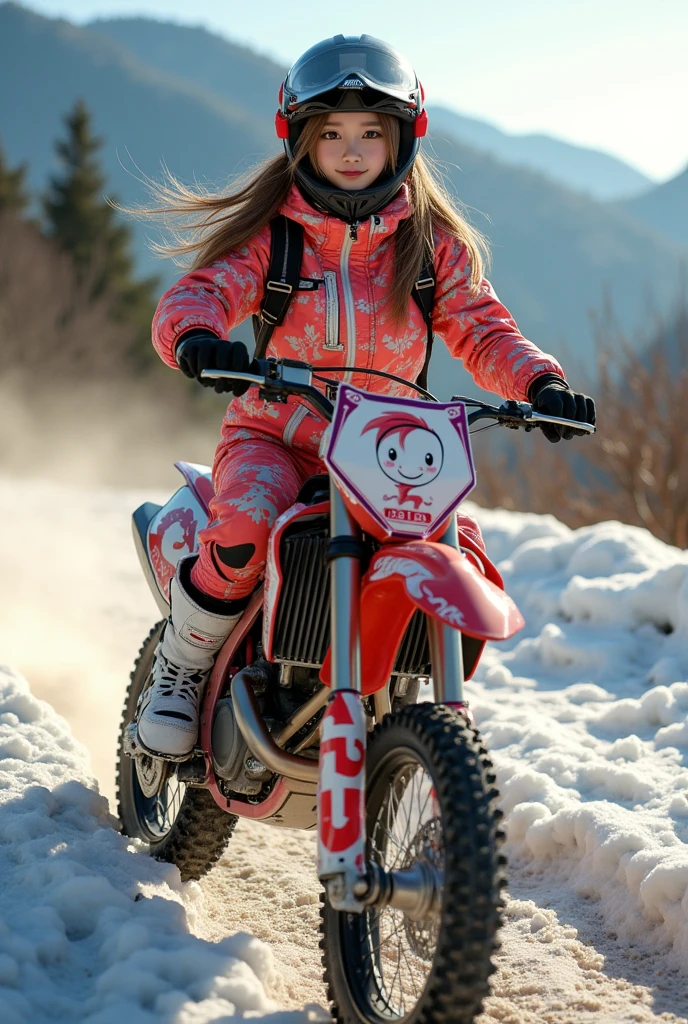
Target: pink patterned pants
(256,479)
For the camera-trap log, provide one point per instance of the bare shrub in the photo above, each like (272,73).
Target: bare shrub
(49,325)
(72,406)
(635,469)
(642,451)
(525,473)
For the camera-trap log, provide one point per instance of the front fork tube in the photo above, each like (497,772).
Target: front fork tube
(446,653)
(341,784)
(345,596)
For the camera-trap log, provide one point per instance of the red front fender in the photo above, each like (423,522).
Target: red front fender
(445,583)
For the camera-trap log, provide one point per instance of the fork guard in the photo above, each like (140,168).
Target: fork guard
(460,588)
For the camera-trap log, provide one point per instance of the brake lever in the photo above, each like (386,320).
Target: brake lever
(287,377)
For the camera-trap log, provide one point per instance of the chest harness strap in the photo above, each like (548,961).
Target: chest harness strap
(286,251)
(284,272)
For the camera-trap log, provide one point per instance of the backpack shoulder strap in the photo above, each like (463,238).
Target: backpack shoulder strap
(286,251)
(423,294)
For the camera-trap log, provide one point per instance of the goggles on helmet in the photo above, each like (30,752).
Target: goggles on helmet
(350,66)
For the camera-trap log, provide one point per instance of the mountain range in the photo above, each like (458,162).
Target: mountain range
(580,168)
(204,106)
(226,70)
(665,208)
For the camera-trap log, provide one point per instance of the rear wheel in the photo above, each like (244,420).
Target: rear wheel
(430,797)
(181,824)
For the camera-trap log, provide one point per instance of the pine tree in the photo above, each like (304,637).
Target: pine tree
(85,225)
(13,196)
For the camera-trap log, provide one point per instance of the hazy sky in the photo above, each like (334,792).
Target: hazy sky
(611,74)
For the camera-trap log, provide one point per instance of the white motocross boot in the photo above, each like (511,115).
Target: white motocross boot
(168,714)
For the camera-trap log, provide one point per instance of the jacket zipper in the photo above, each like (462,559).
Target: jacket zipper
(349,238)
(374,221)
(332,342)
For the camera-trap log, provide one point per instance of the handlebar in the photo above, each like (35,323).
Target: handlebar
(279,378)
(520,414)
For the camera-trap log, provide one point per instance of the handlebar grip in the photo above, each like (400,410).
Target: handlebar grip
(560,421)
(252,378)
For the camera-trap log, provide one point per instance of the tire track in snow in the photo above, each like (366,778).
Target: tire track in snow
(556,965)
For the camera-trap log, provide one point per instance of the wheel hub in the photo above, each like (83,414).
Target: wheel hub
(421,933)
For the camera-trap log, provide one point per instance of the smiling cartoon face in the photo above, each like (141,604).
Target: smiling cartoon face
(408,452)
(414,459)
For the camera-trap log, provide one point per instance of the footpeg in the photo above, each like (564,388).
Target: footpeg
(133,746)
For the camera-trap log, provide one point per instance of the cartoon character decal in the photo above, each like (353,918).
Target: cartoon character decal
(421,448)
(173,533)
(408,452)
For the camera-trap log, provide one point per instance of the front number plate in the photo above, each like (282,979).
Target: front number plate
(408,463)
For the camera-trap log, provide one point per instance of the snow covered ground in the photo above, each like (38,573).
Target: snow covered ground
(90,930)
(586,713)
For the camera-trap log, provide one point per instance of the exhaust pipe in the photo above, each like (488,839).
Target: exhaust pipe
(258,739)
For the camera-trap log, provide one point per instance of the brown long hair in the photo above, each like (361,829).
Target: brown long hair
(205,226)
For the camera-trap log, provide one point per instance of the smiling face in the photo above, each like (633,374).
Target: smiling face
(412,457)
(352,150)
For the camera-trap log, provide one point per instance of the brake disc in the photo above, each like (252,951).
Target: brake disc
(152,773)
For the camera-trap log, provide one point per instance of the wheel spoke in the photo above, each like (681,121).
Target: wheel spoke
(166,806)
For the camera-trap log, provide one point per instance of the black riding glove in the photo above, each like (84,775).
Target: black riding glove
(201,349)
(551,395)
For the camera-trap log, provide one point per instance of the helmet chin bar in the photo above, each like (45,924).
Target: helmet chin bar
(355,205)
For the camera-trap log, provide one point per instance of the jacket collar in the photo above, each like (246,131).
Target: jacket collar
(327,231)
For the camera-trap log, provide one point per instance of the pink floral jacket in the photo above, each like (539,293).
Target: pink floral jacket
(340,316)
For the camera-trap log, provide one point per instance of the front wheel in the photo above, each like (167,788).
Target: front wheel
(430,797)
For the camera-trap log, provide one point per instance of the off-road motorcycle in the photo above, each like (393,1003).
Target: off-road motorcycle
(311,717)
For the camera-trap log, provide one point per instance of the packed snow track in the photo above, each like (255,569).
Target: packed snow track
(585,713)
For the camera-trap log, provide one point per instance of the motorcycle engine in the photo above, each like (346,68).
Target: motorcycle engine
(232,760)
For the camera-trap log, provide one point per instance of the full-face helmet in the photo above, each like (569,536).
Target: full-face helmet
(352,73)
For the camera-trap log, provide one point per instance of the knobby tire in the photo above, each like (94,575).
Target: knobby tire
(201,830)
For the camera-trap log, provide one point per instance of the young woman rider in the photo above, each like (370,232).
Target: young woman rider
(351,116)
